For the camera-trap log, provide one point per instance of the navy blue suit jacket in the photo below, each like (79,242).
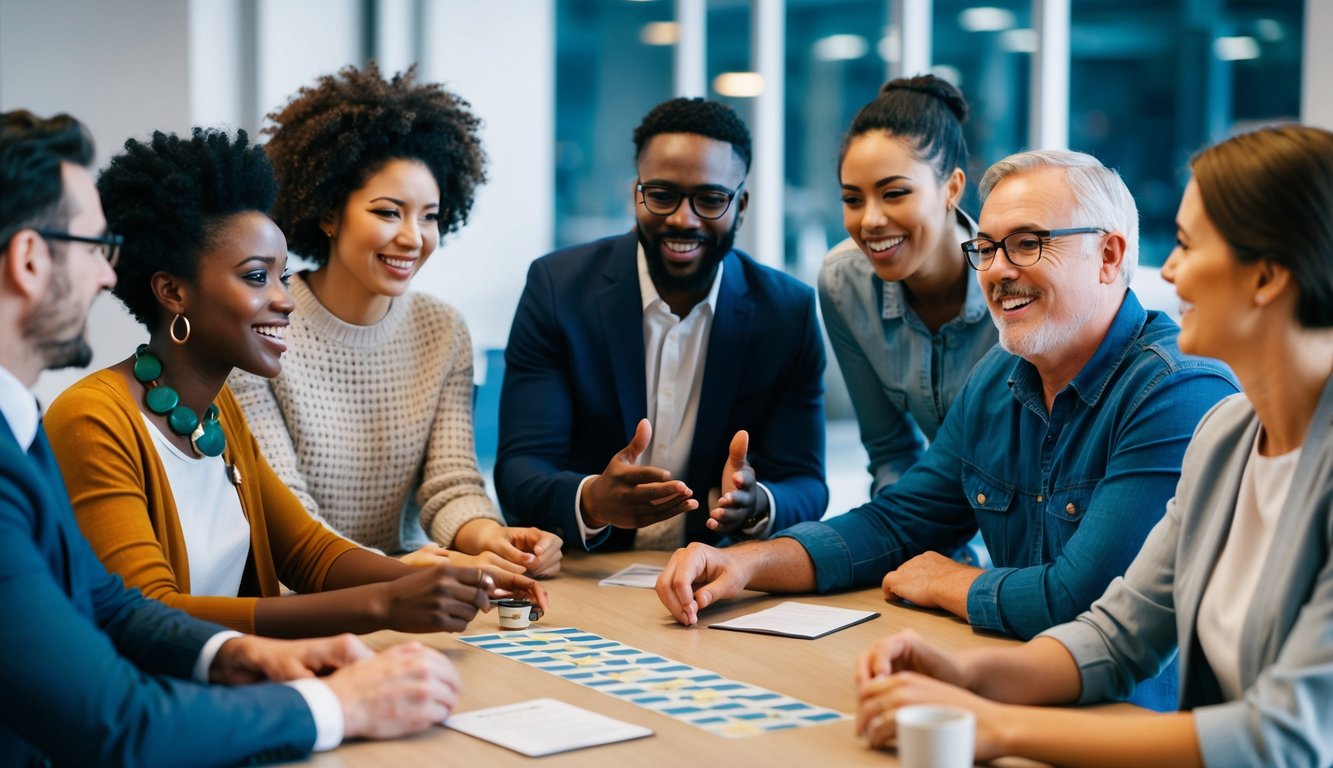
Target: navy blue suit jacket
(95,673)
(574,387)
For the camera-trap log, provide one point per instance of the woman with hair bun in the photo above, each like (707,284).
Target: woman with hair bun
(906,319)
(165,478)
(371,417)
(1237,578)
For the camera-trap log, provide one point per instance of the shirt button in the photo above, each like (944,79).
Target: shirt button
(1070,508)
(981,498)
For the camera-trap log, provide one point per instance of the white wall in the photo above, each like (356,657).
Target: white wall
(121,68)
(501,58)
(1316,84)
(300,39)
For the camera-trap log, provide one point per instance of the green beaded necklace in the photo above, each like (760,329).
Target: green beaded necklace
(206,437)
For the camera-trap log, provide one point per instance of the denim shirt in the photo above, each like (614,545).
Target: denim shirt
(1063,500)
(901,377)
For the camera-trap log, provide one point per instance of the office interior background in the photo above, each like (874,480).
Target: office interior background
(561,84)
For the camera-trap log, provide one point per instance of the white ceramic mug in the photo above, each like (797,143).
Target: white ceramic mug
(931,736)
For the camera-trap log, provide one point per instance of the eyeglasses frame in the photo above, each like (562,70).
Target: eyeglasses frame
(113,242)
(1043,235)
(731,197)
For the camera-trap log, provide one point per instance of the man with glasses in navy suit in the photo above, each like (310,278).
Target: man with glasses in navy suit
(660,386)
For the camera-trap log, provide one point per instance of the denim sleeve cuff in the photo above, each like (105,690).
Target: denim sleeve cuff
(325,708)
(591,537)
(829,552)
(983,600)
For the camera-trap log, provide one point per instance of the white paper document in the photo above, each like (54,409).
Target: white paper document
(543,727)
(792,619)
(637,575)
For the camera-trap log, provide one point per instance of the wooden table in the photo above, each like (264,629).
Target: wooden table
(816,671)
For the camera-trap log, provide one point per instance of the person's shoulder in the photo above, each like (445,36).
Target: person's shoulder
(100,391)
(775,283)
(591,253)
(844,267)
(426,306)
(996,365)
(1158,342)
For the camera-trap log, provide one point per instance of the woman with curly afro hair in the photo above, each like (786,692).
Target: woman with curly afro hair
(370,421)
(165,477)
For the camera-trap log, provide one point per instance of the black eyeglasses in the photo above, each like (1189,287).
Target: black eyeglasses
(1023,248)
(706,203)
(108,245)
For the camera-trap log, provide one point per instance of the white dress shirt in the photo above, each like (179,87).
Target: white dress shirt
(675,351)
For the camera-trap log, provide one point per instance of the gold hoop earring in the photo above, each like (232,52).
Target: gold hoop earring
(171,329)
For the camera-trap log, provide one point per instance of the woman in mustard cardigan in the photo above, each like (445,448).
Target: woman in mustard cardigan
(167,482)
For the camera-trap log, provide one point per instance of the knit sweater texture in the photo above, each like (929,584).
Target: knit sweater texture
(126,506)
(364,420)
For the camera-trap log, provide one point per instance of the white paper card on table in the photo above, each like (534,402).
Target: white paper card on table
(543,727)
(636,575)
(791,619)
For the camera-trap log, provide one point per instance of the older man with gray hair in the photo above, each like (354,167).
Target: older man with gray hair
(1062,448)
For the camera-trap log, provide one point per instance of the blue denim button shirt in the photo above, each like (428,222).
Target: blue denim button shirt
(901,377)
(1063,499)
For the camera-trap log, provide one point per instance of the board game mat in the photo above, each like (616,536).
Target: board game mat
(696,696)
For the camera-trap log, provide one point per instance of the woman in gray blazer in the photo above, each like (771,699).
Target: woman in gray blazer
(1237,577)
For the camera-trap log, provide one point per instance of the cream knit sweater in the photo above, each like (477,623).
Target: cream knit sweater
(363,417)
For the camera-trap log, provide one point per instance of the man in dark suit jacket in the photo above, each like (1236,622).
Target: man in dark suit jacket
(94,673)
(706,363)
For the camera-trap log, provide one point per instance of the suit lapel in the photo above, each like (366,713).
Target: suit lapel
(620,305)
(1298,551)
(728,342)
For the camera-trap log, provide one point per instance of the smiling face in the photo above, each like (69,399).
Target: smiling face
(683,250)
(1043,311)
(894,207)
(384,233)
(1215,289)
(238,302)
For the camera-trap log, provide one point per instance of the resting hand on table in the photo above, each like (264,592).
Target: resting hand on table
(630,496)
(743,503)
(698,576)
(906,652)
(403,690)
(882,696)
(932,580)
(251,659)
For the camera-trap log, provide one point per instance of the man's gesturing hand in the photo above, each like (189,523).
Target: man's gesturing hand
(631,496)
